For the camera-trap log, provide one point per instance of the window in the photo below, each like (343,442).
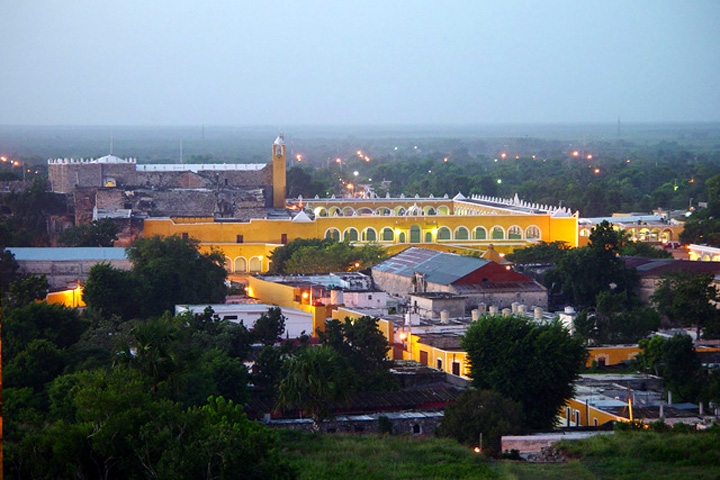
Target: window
(414,234)
(514,233)
(479,233)
(461,233)
(387,234)
(351,235)
(283,238)
(369,235)
(497,233)
(443,233)
(184,235)
(333,234)
(532,232)
(456,368)
(439,363)
(239,239)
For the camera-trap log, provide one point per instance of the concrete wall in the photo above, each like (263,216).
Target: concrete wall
(62,273)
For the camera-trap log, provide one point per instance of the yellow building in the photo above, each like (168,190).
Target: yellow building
(458,223)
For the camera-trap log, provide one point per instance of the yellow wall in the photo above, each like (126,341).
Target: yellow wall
(261,236)
(612,354)
(284,296)
(588,414)
(70,298)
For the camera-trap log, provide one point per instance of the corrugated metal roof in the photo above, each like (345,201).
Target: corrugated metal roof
(648,267)
(57,254)
(438,267)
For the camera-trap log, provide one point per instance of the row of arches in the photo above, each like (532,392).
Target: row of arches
(399,211)
(415,234)
(639,234)
(243,265)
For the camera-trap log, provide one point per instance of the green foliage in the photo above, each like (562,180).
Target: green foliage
(27,289)
(385,425)
(27,226)
(313,381)
(98,233)
(269,328)
(385,457)
(362,349)
(616,320)
(531,363)
(583,273)
(688,300)
(39,321)
(165,272)
(645,453)
(111,291)
(676,361)
(8,270)
(481,412)
(324,256)
(540,253)
(172,271)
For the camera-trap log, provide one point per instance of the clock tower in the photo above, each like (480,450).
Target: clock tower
(279,165)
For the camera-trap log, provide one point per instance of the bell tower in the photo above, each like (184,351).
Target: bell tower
(279,163)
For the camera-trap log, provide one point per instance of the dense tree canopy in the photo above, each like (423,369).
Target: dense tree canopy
(583,273)
(481,412)
(98,233)
(362,349)
(165,272)
(324,256)
(534,364)
(313,381)
(688,299)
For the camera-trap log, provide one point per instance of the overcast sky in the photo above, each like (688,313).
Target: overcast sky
(383,62)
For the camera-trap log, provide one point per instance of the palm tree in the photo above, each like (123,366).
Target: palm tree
(314,382)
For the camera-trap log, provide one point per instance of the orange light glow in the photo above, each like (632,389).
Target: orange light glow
(597,170)
(575,153)
(589,157)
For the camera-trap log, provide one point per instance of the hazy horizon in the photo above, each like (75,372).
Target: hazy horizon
(382,64)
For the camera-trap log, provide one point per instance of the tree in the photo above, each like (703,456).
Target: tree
(280,256)
(688,299)
(616,320)
(362,349)
(27,289)
(643,249)
(540,253)
(8,270)
(534,364)
(58,324)
(172,271)
(582,273)
(676,361)
(324,256)
(682,372)
(313,381)
(268,329)
(221,442)
(485,412)
(110,291)
(98,233)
